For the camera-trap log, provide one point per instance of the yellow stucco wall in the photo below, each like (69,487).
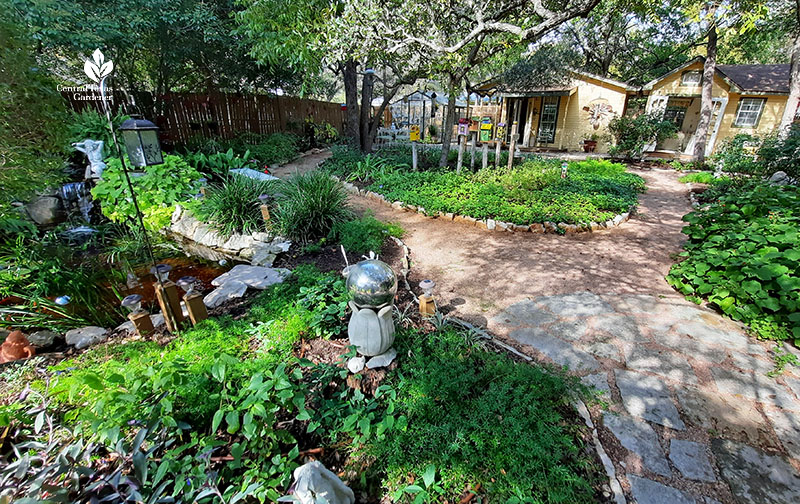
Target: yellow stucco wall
(770,117)
(573,125)
(769,120)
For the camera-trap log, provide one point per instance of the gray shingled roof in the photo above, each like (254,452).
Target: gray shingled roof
(758,78)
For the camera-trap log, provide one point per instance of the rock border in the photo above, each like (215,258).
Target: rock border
(492,224)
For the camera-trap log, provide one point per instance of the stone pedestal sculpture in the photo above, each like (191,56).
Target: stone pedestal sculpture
(372,286)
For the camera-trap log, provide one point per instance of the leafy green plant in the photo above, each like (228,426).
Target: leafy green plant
(742,256)
(309,205)
(532,192)
(157,190)
(92,124)
(782,153)
(326,301)
(737,155)
(233,205)
(632,134)
(368,168)
(699,178)
(219,164)
(365,234)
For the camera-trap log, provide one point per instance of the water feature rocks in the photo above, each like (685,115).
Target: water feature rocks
(85,336)
(232,289)
(257,277)
(199,238)
(46,210)
(42,338)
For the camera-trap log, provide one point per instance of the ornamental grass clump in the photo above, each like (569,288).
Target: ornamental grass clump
(233,206)
(309,205)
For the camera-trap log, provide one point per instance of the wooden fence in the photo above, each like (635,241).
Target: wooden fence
(185,115)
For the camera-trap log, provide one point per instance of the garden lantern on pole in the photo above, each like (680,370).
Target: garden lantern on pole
(141,142)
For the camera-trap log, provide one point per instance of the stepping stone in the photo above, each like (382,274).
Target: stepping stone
(231,289)
(524,313)
(752,363)
(569,329)
(637,436)
(710,335)
(754,476)
(754,386)
(257,277)
(787,427)
(559,351)
(620,326)
(604,351)
(600,382)
(647,397)
(647,491)
(723,412)
(581,304)
(691,460)
(635,303)
(690,346)
(661,362)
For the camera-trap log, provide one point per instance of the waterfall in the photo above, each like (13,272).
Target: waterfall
(76,194)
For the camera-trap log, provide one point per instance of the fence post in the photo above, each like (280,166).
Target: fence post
(485,155)
(472,151)
(414,155)
(513,146)
(461,143)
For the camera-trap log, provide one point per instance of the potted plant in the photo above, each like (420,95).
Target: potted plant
(590,144)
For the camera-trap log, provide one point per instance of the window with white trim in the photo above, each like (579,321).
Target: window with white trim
(749,112)
(691,78)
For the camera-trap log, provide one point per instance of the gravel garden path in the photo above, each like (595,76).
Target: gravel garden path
(691,416)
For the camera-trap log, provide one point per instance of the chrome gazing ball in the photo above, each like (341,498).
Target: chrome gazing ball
(132,302)
(371,284)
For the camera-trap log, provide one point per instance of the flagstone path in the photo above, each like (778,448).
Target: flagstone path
(691,416)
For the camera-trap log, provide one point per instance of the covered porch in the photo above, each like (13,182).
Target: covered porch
(540,117)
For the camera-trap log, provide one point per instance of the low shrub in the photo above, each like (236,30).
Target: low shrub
(742,256)
(531,192)
(273,149)
(632,134)
(365,234)
(738,155)
(309,205)
(157,190)
(462,417)
(233,206)
(782,153)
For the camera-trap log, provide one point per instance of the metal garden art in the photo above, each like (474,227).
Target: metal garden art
(371,285)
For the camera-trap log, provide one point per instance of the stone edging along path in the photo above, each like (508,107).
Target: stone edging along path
(491,224)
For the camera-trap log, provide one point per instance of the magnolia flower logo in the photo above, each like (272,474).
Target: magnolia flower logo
(96,67)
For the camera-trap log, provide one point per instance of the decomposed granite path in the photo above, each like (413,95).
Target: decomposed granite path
(691,416)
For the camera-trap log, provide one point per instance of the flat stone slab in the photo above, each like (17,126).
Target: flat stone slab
(691,460)
(559,351)
(581,304)
(524,313)
(637,436)
(787,426)
(747,362)
(753,385)
(604,351)
(633,303)
(620,326)
(257,277)
(661,362)
(710,335)
(722,412)
(647,491)
(754,476)
(600,382)
(687,345)
(569,329)
(232,289)
(647,397)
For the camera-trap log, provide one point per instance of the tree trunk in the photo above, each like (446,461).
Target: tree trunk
(367,83)
(447,129)
(351,130)
(794,90)
(706,105)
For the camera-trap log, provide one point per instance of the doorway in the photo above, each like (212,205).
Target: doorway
(517,111)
